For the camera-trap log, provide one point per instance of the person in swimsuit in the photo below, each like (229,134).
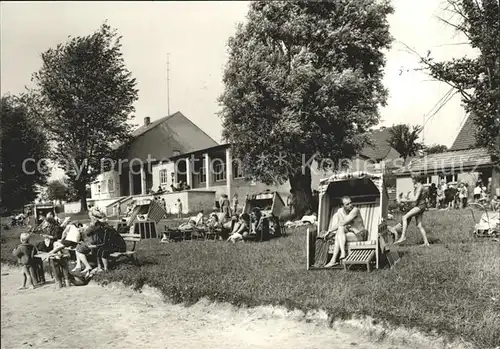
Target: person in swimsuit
(416,211)
(348,226)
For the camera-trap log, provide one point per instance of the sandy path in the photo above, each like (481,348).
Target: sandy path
(113,317)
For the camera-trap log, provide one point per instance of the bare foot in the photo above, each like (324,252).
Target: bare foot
(76,269)
(329,265)
(22,288)
(425,245)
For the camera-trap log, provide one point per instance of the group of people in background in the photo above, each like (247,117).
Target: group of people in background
(180,187)
(226,206)
(456,196)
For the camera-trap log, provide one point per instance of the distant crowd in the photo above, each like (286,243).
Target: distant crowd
(456,196)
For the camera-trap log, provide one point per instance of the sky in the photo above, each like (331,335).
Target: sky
(194,34)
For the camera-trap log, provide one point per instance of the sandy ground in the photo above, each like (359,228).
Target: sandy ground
(110,317)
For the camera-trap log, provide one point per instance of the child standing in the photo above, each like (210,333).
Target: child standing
(43,246)
(25,254)
(179,208)
(235,203)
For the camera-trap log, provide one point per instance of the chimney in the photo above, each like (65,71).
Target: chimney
(147,121)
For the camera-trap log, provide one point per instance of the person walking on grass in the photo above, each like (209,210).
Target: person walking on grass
(416,211)
(25,254)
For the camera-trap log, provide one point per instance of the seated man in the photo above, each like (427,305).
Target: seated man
(261,225)
(348,226)
(495,203)
(240,229)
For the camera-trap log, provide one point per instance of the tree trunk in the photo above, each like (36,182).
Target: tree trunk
(495,174)
(495,181)
(300,184)
(82,193)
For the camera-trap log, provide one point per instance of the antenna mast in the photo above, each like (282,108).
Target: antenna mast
(168,83)
(423,129)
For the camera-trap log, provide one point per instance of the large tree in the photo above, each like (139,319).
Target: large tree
(22,143)
(84,97)
(404,138)
(303,80)
(476,79)
(57,190)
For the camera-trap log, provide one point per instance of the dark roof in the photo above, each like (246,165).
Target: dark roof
(162,136)
(379,147)
(465,138)
(201,151)
(145,128)
(458,160)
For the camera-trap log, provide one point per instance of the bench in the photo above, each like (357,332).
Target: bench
(130,253)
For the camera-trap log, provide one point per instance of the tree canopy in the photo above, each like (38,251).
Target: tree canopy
(476,79)
(57,190)
(435,148)
(303,79)
(84,97)
(404,138)
(20,140)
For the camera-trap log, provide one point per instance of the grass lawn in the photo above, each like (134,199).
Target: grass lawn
(451,289)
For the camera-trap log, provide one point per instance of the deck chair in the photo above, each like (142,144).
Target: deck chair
(217,232)
(263,234)
(362,252)
(146,228)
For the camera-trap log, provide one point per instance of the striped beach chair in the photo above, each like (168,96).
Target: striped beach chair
(146,228)
(369,194)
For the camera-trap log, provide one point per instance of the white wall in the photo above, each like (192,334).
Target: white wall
(156,175)
(403,185)
(102,181)
(72,207)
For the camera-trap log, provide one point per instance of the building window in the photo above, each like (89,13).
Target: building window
(111,185)
(163,176)
(449,178)
(172,178)
(238,170)
(452,178)
(176,152)
(104,188)
(202,173)
(98,188)
(219,171)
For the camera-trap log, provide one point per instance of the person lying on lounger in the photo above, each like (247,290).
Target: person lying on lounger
(347,226)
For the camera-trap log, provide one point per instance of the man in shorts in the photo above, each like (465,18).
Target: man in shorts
(348,226)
